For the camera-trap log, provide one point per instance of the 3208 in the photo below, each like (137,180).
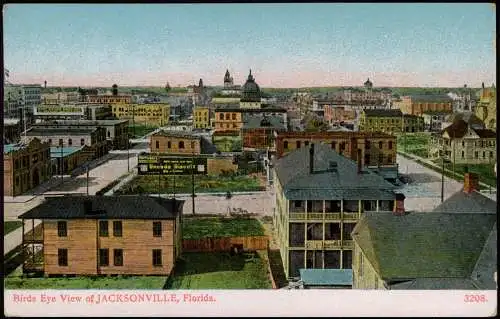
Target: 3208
(475,298)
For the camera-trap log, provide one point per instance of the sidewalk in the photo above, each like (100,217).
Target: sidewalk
(438,168)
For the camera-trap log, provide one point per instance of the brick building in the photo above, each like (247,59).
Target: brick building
(25,166)
(258,131)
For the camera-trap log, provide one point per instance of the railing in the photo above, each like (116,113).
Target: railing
(352,216)
(332,244)
(348,243)
(314,215)
(300,216)
(314,244)
(331,216)
(38,234)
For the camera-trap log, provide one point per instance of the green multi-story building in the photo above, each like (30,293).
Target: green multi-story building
(320,195)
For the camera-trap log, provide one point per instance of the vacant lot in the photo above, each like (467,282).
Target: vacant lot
(414,143)
(220,271)
(144,184)
(11,226)
(16,281)
(140,130)
(197,228)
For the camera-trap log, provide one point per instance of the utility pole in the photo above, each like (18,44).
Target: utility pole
(87,179)
(192,182)
(62,163)
(128,155)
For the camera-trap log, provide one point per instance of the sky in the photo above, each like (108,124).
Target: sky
(285,45)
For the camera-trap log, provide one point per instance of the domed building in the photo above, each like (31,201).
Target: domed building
(230,90)
(250,94)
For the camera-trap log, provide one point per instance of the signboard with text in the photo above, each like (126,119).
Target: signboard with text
(158,164)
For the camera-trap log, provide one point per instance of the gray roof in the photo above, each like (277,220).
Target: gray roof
(206,146)
(343,183)
(82,122)
(425,245)
(487,263)
(435,284)
(252,121)
(467,202)
(108,207)
(36,131)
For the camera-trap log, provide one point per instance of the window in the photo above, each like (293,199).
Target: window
(463,143)
(50,141)
(380,144)
(297,204)
(169,144)
(157,257)
(60,142)
(347,259)
(463,154)
(491,154)
(221,116)
(181,144)
(82,141)
(297,235)
(157,229)
(390,145)
(117,228)
(298,144)
(476,154)
(484,154)
(62,229)
(193,144)
(367,145)
(227,116)
(103,228)
(103,257)
(334,145)
(70,142)
(342,146)
(285,145)
(62,257)
(118,257)
(157,143)
(234,116)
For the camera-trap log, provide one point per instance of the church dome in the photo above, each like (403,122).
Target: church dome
(250,90)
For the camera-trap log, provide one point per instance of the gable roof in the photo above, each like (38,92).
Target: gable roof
(457,129)
(344,182)
(462,202)
(423,245)
(109,207)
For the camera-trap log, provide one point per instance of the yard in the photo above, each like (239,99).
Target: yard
(220,271)
(144,184)
(485,172)
(16,281)
(11,226)
(414,143)
(140,130)
(197,228)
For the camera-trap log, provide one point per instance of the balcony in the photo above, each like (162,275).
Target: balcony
(332,244)
(332,216)
(34,235)
(348,244)
(297,216)
(314,216)
(350,216)
(314,244)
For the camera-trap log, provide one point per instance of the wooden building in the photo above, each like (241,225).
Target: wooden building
(25,166)
(103,235)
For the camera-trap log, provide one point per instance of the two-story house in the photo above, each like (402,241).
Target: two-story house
(320,195)
(103,235)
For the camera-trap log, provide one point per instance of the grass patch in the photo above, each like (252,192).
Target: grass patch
(414,143)
(144,184)
(485,172)
(197,228)
(220,271)
(10,226)
(140,130)
(17,281)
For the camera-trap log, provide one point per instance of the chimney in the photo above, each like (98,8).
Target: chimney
(359,161)
(311,159)
(471,182)
(87,206)
(399,206)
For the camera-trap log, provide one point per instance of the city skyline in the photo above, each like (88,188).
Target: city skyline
(285,45)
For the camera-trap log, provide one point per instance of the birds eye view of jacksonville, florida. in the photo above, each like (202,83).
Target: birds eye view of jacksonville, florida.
(172,152)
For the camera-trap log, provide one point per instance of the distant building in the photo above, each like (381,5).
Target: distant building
(258,131)
(109,99)
(22,99)
(439,251)
(461,143)
(149,114)
(201,117)
(67,159)
(419,104)
(103,235)
(25,166)
(229,87)
(433,120)
(61,98)
(79,111)
(320,195)
(11,130)
(251,95)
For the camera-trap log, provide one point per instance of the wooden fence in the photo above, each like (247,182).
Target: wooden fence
(213,244)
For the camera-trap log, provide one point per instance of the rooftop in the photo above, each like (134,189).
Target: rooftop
(463,202)
(334,134)
(460,127)
(82,122)
(35,131)
(253,121)
(326,277)
(56,152)
(174,133)
(424,245)
(329,183)
(431,97)
(105,207)
(383,113)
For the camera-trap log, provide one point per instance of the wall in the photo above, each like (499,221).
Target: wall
(367,278)
(162,142)
(231,121)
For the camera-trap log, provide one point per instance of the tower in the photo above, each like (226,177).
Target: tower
(115,89)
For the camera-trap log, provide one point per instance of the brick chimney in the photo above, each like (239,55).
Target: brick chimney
(311,159)
(359,161)
(471,182)
(399,205)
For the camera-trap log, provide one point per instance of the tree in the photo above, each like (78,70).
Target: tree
(316,124)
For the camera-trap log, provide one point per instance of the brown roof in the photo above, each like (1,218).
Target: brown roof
(485,133)
(457,129)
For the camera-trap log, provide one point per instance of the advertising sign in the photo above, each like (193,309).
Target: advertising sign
(158,164)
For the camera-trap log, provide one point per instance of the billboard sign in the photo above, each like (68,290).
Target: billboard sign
(158,164)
